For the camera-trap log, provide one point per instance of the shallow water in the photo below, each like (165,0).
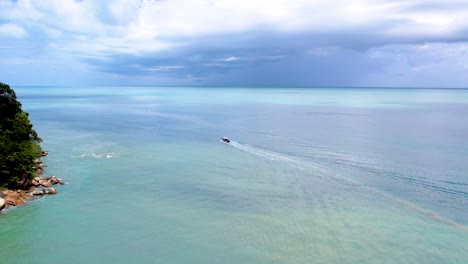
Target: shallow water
(312,176)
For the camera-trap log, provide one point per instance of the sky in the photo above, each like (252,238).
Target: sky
(275,43)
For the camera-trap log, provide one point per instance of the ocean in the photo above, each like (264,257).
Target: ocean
(338,175)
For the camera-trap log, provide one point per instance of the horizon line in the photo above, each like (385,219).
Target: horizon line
(266,87)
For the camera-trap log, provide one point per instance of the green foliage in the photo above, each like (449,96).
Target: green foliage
(19,142)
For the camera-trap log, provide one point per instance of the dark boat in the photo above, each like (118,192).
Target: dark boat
(225,139)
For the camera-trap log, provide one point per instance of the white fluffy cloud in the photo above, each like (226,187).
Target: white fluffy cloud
(142,26)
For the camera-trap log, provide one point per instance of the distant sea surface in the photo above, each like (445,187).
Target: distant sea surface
(311,176)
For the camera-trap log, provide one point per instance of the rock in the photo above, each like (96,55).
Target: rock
(51,191)
(13,195)
(44,153)
(39,171)
(54,180)
(37,160)
(45,183)
(14,198)
(35,183)
(13,201)
(23,194)
(2,203)
(46,178)
(37,192)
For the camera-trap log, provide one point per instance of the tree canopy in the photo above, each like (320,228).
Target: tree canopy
(19,142)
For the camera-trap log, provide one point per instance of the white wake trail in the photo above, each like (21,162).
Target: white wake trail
(329,173)
(270,155)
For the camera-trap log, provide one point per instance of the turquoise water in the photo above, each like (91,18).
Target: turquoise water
(312,176)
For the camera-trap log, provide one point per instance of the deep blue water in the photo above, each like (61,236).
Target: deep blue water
(312,176)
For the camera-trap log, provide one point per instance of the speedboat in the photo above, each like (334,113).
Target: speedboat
(225,140)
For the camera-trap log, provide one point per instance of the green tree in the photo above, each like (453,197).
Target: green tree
(19,142)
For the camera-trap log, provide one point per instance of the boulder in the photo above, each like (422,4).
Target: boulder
(45,183)
(12,195)
(54,180)
(2,203)
(44,153)
(51,190)
(23,194)
(35,183)
(37,192)
(14,198)
(13,201)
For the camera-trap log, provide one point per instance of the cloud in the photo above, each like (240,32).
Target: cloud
(322,51)
(164,68)
(202,39)
(139,24)
(429,65)
(12,30)
(232,58)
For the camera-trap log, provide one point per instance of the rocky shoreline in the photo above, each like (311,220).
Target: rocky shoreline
(38,186)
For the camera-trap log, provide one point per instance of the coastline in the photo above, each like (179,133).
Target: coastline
(38,186)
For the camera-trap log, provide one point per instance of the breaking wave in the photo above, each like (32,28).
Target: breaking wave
(98,155)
